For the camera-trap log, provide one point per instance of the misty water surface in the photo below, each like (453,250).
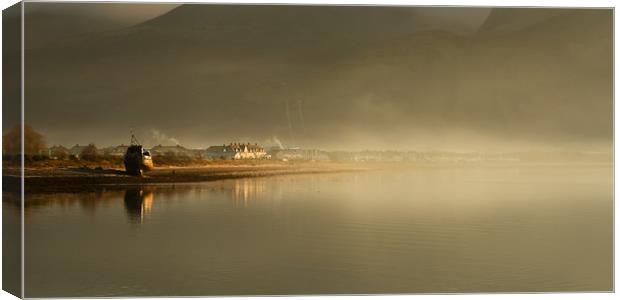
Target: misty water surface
(427,230)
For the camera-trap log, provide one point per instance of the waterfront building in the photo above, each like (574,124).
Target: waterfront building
(235,151)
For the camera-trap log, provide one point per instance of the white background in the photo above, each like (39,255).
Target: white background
(564,3)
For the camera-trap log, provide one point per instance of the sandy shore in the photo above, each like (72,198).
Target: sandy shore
(85,179)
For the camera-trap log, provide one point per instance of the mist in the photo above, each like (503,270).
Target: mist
(334,78)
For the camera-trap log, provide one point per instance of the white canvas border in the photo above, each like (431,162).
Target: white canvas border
(538,3)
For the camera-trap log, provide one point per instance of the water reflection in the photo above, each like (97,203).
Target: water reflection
(88,202)
(446,230)
(138,200)
(138,204)
(246,190)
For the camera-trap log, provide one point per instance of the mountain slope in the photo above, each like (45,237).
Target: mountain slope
(207,75)
(47,23)
(506,20)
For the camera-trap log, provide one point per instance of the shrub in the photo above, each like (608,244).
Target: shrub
(89,153)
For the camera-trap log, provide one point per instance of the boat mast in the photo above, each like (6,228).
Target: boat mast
(134,140)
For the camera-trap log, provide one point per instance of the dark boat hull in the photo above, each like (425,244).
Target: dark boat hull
(136,162)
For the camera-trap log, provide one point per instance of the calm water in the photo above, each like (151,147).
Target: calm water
(434,230)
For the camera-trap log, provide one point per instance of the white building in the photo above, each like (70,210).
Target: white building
(237,151)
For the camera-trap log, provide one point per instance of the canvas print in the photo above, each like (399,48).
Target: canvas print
(221,149)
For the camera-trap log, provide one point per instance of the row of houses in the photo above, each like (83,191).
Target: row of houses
(232,151)
(249,151)
(235,151)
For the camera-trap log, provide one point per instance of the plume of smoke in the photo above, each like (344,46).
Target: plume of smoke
(301,116)
(161,138)
(273,141)
(277,141)
(290,125)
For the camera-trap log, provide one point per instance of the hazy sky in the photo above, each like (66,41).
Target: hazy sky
(401,78)
(49,22)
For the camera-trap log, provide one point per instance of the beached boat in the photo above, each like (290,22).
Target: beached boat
(137,159)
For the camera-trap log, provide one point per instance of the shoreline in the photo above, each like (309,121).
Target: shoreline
(87,179)
(80,179)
